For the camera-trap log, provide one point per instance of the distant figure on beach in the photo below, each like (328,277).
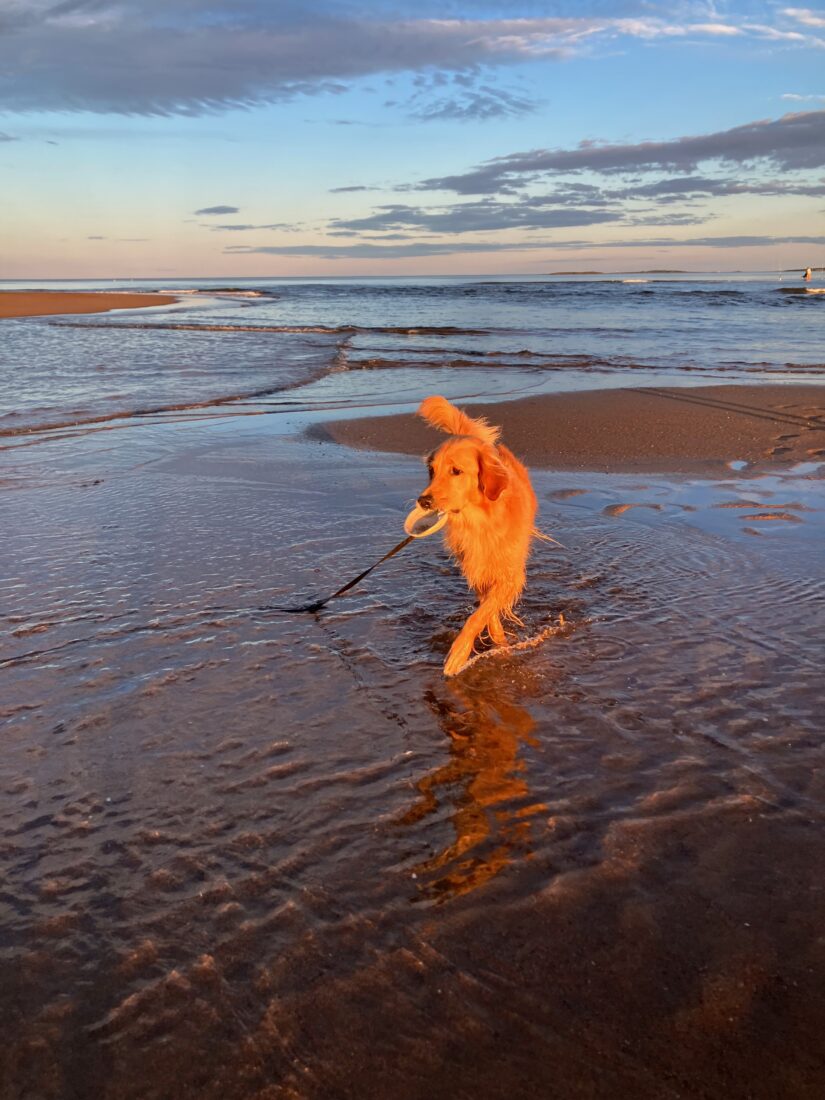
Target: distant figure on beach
(807,274)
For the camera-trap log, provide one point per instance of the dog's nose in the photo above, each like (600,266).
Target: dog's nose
(425,501)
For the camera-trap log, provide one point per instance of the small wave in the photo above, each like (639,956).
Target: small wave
(224,291)
(496,361)
(238,292)
(382,363)
(801,290)
(578,282)
(181,327)
(700,293)
(81,420)
(323,330)
(439,353)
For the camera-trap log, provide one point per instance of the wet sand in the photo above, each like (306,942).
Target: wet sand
(252,856)
(45,303)
(667,430)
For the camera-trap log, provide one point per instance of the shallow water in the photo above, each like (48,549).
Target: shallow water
(266,336)
(249,854)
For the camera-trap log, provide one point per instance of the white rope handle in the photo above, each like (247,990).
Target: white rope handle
(416,520)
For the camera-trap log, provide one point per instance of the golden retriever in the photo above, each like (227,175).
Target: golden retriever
(491,507)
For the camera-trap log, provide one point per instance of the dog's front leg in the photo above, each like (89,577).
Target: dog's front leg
(485,615)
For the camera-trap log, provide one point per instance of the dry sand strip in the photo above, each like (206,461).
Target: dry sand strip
(668,430)
(45,303)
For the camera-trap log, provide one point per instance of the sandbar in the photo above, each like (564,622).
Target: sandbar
(45,303)
(652,430)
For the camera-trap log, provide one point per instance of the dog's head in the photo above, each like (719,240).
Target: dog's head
(463,471)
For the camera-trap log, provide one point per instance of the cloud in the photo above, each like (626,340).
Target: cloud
(393,252)
(186,57)
(362,251)
(218,210)
(352,122)
(804,98)
(7,137)
(805,16)
(239,228)
(475,106)
(723,30)
(193,57)
(474,217)
(665,219)
(343,190)
(687,187)
(714,242)
(569,205)
(795,141)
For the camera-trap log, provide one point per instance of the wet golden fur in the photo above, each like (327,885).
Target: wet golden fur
(491,505)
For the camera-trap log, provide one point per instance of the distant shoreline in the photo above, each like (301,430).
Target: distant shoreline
(47,303)
(648,271)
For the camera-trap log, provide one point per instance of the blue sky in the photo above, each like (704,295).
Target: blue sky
(143,138)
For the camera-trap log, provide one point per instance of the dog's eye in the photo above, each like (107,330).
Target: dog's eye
(454,470)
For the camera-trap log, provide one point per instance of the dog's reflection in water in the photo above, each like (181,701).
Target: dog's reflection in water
(486,781)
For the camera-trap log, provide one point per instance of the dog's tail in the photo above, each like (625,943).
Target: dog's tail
(441,414)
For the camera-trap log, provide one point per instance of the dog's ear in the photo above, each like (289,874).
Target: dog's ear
(493,477)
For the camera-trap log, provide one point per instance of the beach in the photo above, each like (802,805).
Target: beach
(251,855)
(42,303)
(696,431)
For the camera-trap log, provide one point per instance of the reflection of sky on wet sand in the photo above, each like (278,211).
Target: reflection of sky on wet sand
(773,501)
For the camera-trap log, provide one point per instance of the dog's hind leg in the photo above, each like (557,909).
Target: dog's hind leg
(496,630)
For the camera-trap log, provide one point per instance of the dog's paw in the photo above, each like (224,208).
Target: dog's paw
(457,658)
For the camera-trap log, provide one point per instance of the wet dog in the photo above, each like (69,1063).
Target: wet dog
(491,507)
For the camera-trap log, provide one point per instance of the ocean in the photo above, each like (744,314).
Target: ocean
(254,856)
(463,337)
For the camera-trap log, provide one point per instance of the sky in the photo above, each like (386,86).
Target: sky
(198,138)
